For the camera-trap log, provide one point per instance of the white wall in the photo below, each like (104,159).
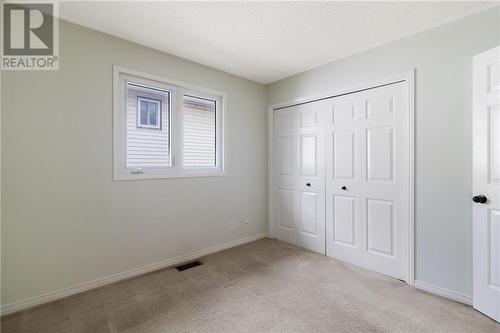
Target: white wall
(443,61)
(64,221)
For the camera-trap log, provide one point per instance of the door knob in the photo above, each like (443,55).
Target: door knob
(308,184)
(344,188)
(480,199)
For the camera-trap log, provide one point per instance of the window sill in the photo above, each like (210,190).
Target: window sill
(187,174)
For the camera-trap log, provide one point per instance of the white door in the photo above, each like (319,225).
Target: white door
(299,176)
(486,182)
(367,179)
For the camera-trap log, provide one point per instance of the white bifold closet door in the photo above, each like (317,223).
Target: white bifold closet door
(367,179)
(341,177)
(299,176)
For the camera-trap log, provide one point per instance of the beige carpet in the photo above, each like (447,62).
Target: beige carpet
(264,286)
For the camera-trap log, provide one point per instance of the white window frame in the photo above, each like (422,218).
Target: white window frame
(177,90)
(158,112)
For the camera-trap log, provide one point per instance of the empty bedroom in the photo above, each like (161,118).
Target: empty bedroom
(250,166)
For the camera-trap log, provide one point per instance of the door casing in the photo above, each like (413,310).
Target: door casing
(409,77)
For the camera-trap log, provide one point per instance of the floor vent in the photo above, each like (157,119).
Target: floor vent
(188,266)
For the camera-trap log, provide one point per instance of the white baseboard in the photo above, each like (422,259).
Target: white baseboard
(52,296)
(447,293)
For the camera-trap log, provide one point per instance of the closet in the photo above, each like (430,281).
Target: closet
(341,177)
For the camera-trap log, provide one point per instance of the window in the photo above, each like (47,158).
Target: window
(199,132)
(164,128)
(148,142)
(148,112)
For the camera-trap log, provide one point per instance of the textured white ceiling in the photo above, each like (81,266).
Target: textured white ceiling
(264,41)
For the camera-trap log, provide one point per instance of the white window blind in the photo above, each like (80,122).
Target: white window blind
(199,126)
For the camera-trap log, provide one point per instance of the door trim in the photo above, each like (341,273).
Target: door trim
(409,77)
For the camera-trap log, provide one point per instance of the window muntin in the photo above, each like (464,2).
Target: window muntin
(179,152)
